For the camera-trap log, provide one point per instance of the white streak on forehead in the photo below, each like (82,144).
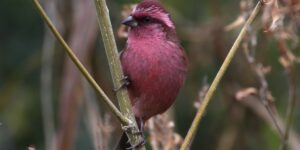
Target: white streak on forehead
(156,12)
(134,8)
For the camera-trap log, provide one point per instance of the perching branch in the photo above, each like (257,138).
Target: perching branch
(79,65)
(193,129)
(116,68)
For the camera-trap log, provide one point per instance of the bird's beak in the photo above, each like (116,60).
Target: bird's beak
(130,21)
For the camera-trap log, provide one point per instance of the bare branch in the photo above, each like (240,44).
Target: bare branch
(82,69)
(192,131)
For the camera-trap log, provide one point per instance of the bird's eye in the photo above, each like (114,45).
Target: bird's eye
(147,19)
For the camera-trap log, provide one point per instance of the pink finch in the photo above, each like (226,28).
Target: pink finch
(153,61)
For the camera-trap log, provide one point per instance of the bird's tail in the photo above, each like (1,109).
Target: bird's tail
(123,143)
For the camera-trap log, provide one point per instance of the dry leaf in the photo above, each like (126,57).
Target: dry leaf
(241,94)
(31,148)
(235,24)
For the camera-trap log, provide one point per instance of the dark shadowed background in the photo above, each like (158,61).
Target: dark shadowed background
(44,99)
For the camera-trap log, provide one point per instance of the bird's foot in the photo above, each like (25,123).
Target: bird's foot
(127,128)
(124,83)
(140,144)
(131,129)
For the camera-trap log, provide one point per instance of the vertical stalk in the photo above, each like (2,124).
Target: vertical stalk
(115,66)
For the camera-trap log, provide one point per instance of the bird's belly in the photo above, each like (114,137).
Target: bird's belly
(156,74)
(154,90)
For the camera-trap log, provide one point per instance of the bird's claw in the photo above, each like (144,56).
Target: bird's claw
(125,83)
(130,128)
(127,128)
(141,143)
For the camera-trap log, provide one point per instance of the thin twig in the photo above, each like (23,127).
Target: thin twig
(291,74)
(254,103)
(291,107)
(192,131)
(264,94)
(79,65)
(264,98)
(116,68)
(260,71)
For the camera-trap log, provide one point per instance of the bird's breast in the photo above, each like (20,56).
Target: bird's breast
(156,73)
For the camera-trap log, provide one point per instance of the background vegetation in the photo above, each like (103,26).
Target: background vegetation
(44,101)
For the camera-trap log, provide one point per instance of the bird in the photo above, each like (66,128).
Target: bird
(153,61)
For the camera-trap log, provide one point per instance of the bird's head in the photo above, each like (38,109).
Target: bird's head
(149,16)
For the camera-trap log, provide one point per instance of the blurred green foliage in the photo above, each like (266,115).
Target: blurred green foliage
(21,38)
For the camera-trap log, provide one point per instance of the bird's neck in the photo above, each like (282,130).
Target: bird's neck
(153,32)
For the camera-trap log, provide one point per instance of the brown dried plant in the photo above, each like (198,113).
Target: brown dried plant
(202,92)
(280,21)
(162,134)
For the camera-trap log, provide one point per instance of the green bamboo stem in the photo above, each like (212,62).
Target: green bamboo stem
(79,65)
(193,129)
(116,68)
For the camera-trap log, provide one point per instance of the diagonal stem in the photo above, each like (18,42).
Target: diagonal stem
(79,65)
(193,129)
